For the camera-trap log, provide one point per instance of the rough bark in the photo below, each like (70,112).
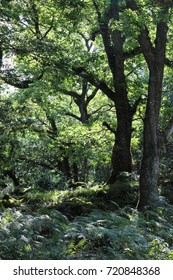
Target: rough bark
(150,162)
(121,154)
(155,58)
(63,163)
(113,43)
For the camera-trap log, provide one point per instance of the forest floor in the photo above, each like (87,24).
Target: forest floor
(82,223)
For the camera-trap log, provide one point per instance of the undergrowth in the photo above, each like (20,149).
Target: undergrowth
(121,234)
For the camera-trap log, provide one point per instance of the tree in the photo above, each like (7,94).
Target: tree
(76,50)
(154,52)
(115,88)
(113,42)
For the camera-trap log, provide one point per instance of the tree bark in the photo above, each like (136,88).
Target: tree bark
(113,44)
(155,58)
(150,162)
(121,155)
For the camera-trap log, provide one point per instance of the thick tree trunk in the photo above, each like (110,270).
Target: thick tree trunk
(121,154)
(113,43)
(155,58)
(150,162)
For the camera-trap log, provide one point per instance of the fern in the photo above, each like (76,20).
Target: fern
(122,234)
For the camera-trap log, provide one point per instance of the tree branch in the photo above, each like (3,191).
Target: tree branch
(99,84)
(109,128)
(35,19)
(89,98)
(48,30)
(97,110)
(73,116)
(88,43)
(132,53)
(147,48)
(53,129)
(136,104)
(168,63)
(12,80)
(36,163)
(71,93)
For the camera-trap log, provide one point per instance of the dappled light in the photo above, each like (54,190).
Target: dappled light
(86,130)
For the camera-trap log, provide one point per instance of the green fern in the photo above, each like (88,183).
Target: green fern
(122,234)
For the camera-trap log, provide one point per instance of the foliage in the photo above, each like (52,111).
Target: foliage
(122,234)
(74,86)
(32,236)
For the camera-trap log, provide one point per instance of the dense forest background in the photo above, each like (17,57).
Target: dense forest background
(86,125)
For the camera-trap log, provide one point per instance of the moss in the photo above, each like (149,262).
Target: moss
(124,191)
(9,201)
(75,207)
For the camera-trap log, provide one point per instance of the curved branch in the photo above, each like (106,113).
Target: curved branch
(109,128)
(48,30)
(132,53)
(169,63)
(71,93)
(89,98)
(97,110)
(99,84)
(135,105)
(12,80)
(73,116)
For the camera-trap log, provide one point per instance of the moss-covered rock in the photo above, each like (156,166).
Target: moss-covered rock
(75,207)
(125,190)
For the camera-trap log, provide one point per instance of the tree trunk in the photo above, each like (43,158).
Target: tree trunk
(155,58)
(150,162)
(121,154)
(11,174)
(75,172)
(113,43)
